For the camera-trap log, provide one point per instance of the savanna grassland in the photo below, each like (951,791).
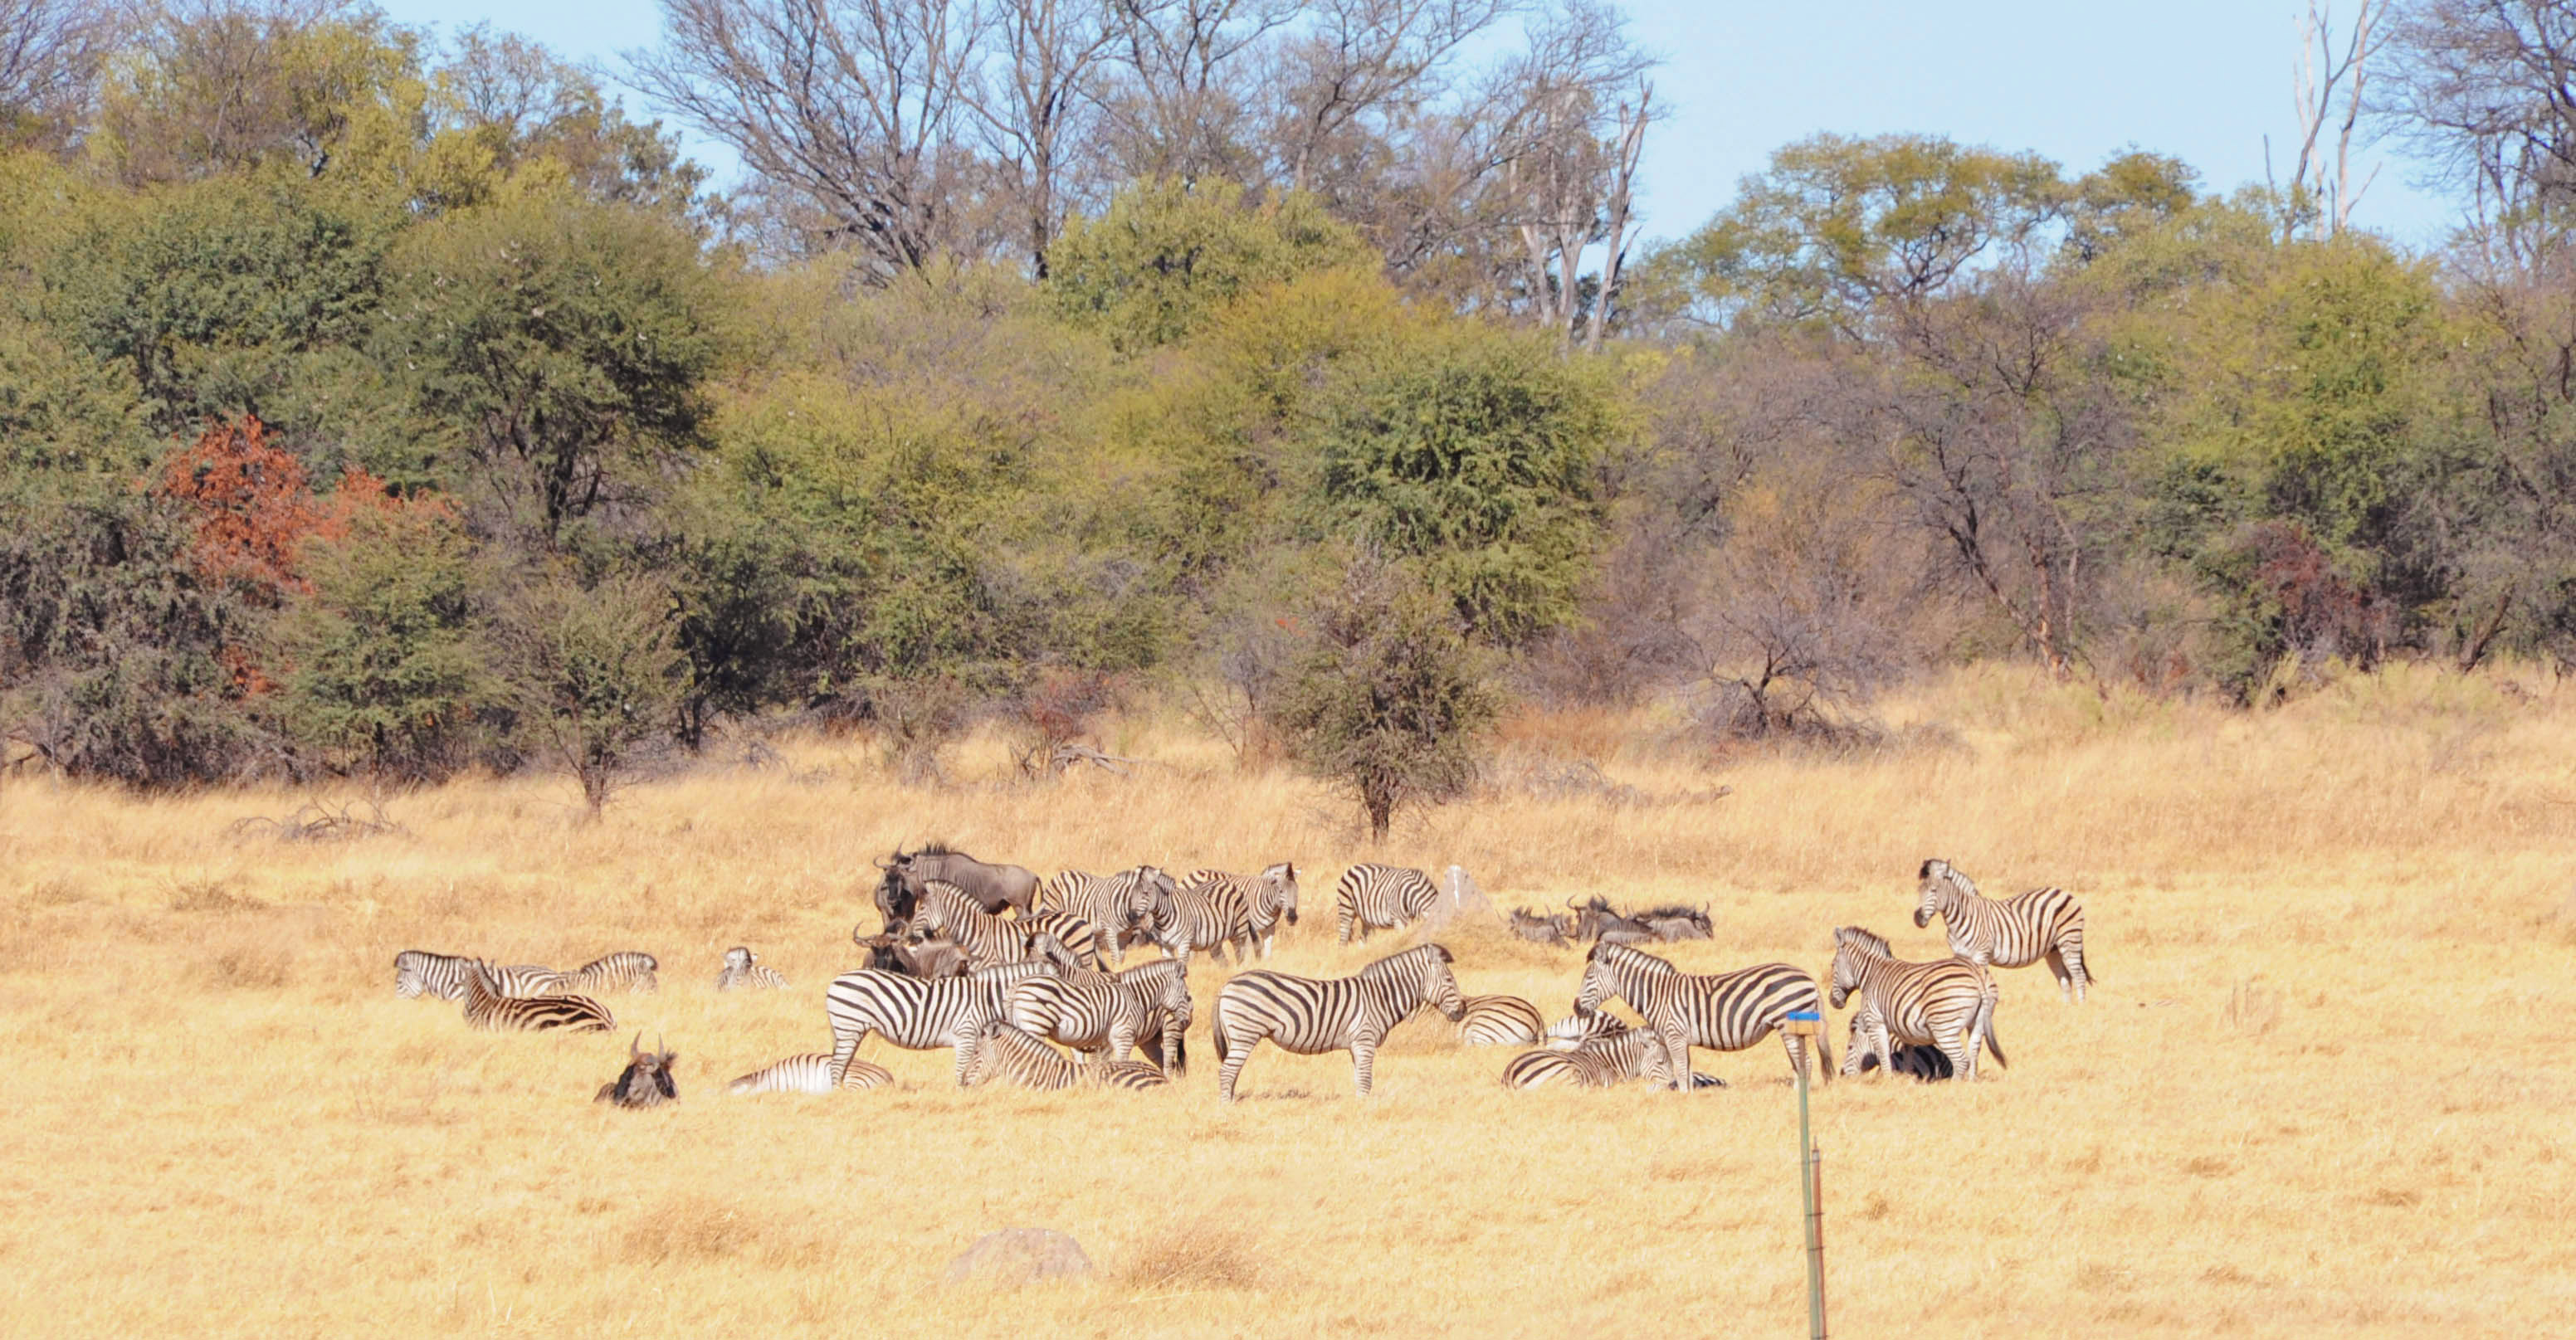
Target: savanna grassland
(2321,1086)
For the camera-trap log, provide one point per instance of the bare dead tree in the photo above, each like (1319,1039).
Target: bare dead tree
(2487,88)
(2322,194)
(1359,56)
(50,52)
(1185,65)
(1035,105)
(854,103)
(1579,108)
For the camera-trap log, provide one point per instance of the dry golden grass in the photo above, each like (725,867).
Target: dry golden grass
(2322,1087)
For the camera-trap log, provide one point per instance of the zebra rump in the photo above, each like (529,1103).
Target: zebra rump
(1499,1021)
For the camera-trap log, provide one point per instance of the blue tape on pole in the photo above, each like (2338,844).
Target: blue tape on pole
(1806,1016)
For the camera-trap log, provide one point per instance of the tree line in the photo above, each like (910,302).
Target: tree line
(378,404)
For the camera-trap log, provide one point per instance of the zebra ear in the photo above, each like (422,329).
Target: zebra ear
(1926,871)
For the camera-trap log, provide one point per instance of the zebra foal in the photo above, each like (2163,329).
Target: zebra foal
(1949,1004)
(487,1008)
(1309,1016)
(744,970)
(1006,1053)
(1379,897)
(2011,932)
(1729,1011)
(625,970)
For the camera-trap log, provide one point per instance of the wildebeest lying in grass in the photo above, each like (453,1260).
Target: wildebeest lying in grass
(645,1082)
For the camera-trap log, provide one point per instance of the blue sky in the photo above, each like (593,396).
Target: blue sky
(2204,80)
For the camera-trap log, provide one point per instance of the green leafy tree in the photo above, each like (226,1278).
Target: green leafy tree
(592,674)
(1167,255)
(1473,455)
(559,351)
(1387,700)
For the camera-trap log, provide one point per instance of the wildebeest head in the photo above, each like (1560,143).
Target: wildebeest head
(1550,930)
(895,892)
(645,1082)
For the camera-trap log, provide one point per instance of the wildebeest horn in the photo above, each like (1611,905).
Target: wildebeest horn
(1570,903)
(633,1049)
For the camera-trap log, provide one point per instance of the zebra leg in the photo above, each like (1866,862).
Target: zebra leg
(1342,927)
(1677,1054)
(1363,1061)
(1960,1045)
(1122,1040)
(845,1046)
(1235,1054)
(2057,969)
(2072,949)
(967,1041)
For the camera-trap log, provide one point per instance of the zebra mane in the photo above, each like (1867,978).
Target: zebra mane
(1948,874)
(1867,941)
(1403,960)
(1619,955)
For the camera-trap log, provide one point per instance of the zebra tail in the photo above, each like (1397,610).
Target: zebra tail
(1219,1033)
(1986,1026)
(1824,1057)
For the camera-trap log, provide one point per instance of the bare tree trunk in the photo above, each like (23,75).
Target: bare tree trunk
(1631,122)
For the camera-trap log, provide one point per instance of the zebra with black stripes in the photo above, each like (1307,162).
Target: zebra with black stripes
(1086,940)
(1918,1060)
(1596,1063)
(1499,1021)
(625,970)
(487,1008)
(418,972)
(1264,900)
(990,940)
(1149,1003)
(919,1014)
(1728,1011)
(744,970)
(1949,1004)
(1206,916)
(1309,1016)
(1008,1054)
(2011,932)
(1122,905)
(810,1072)
(1379,897)
(1576,1029)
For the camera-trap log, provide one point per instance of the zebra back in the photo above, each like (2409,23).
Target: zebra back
(488,1009)
(1499,1021)
(1729,1011)
(1948,1003)
(2013,932)
(990,940)
(1201,916)
(1373,897)
(809,1072)
(1086,938)
(624,970)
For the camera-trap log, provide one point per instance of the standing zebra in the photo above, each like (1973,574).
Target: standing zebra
(809,1072)
(1499,1021)
(1265,899)
(1086,940)
(1122,905)
(417,973)
(1379,897)
(1206,916)
(1309,1016)
(489,1009)
(1919,1060)
(1729,1011)
(1147,1003)
(1949,1004)
(1006,1053)
(2008,932)
(743,969)
(625,970)
(918,1014)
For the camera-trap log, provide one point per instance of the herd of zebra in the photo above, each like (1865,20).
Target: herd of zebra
(1027,983)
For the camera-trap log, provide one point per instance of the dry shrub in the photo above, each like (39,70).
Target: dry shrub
(59,891)
(699,1229)
(209,895)
(249,967)
(1193,1257)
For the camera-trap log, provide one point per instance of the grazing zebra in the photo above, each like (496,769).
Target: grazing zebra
(487,1008)
(743,969)
(1206,916)
(417,972)
(625,970)
(1920,1060)
(1379,897)
(1121,904)
(1597,1063)
(1949,1004)
(919,1014)
(1266,898)
(988,939)
(1499,1021)
(1308,1016)
(1087,940)
(1006,1053)
(2009,932)
(809,1072)
(1729,1011)
(1147,1003)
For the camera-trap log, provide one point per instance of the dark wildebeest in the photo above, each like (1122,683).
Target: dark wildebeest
(1676,922)
(994,886)
(912,953)
(646,1080)
(1530,925)
(1595,920)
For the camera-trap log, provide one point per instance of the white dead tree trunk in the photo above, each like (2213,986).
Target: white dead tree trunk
(2323,193)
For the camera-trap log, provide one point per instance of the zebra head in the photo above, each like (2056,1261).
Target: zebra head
(1178,1013)
(1941,885)
(1854,949)
(1283,877)
(408,982)
(1613,969)
(739,959)
(1144,897)
(1441,983)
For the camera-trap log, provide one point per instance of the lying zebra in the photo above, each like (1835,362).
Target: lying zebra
(1601,1061)
(1006,1053)
(810,1072)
